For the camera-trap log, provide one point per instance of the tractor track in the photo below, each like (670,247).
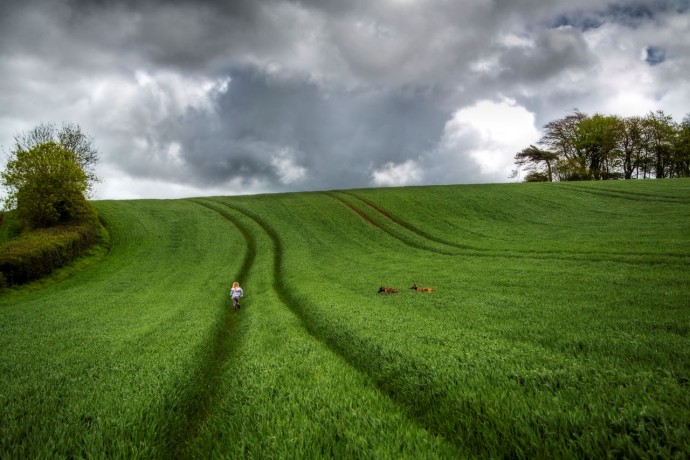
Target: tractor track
(414,407)
(645,258)
(210,376)
(623,195)
(412,228)
(321,335)
(405,241)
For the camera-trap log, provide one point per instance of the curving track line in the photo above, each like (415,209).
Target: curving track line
(412,228)
(468,250)
(321,335)
(414,408)
(624,195)
(408,242)
(211,376)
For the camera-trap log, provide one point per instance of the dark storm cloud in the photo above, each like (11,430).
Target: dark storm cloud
(630,13)
(554,52)
(286,95)
(654,55)
(337,136)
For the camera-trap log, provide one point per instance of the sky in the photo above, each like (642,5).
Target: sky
(198,98)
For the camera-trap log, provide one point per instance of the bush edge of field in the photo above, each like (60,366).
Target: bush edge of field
(36,254)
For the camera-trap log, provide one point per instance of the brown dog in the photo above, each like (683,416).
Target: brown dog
(421,289)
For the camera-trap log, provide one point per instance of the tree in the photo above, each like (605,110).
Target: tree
(610,147)
(536,158)
(561,137)
(596,138)
(46,184)
(681,149)
(630,145)
(71,138)
(658,131)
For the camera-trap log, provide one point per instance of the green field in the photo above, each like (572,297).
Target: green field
(558,327)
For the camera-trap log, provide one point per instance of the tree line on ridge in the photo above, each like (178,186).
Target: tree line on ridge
(604,147)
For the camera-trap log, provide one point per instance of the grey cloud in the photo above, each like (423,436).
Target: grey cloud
(554,51)
(336,136)
(628,13)
(337,88)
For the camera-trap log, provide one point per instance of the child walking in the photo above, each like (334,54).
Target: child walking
(236,292)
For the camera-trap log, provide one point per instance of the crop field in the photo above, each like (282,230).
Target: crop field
(558,326)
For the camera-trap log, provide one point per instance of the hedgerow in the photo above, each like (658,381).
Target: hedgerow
(10,226)
(37,253)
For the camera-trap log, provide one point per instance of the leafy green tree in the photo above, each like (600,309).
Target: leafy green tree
(46,184)
(561,137)
(609,147)
(681,149)
(659,130)
(537,159)
(596,138)
(70,137)
(630,145)
(572,169)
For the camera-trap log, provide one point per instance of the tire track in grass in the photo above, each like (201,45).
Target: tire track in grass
(118,357)
(396,380)
(380,389)
(387,384)
(474,251)
(210,376)
(455,249)
(407,242)
(412,384)
(412,228)
(624,194)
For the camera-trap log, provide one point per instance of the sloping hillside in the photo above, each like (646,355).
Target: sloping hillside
(557,325)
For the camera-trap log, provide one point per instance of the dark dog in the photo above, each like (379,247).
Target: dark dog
(386,290)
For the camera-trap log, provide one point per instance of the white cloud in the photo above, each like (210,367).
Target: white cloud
(392,174)
(624,83)
(517,41)
(121,186)
(173,93)
(489,133)
(289,172)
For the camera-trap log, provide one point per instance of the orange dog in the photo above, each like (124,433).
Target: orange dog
(421,289)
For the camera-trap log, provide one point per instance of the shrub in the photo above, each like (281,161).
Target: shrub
(536,176)
(37,253)
(10,226)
